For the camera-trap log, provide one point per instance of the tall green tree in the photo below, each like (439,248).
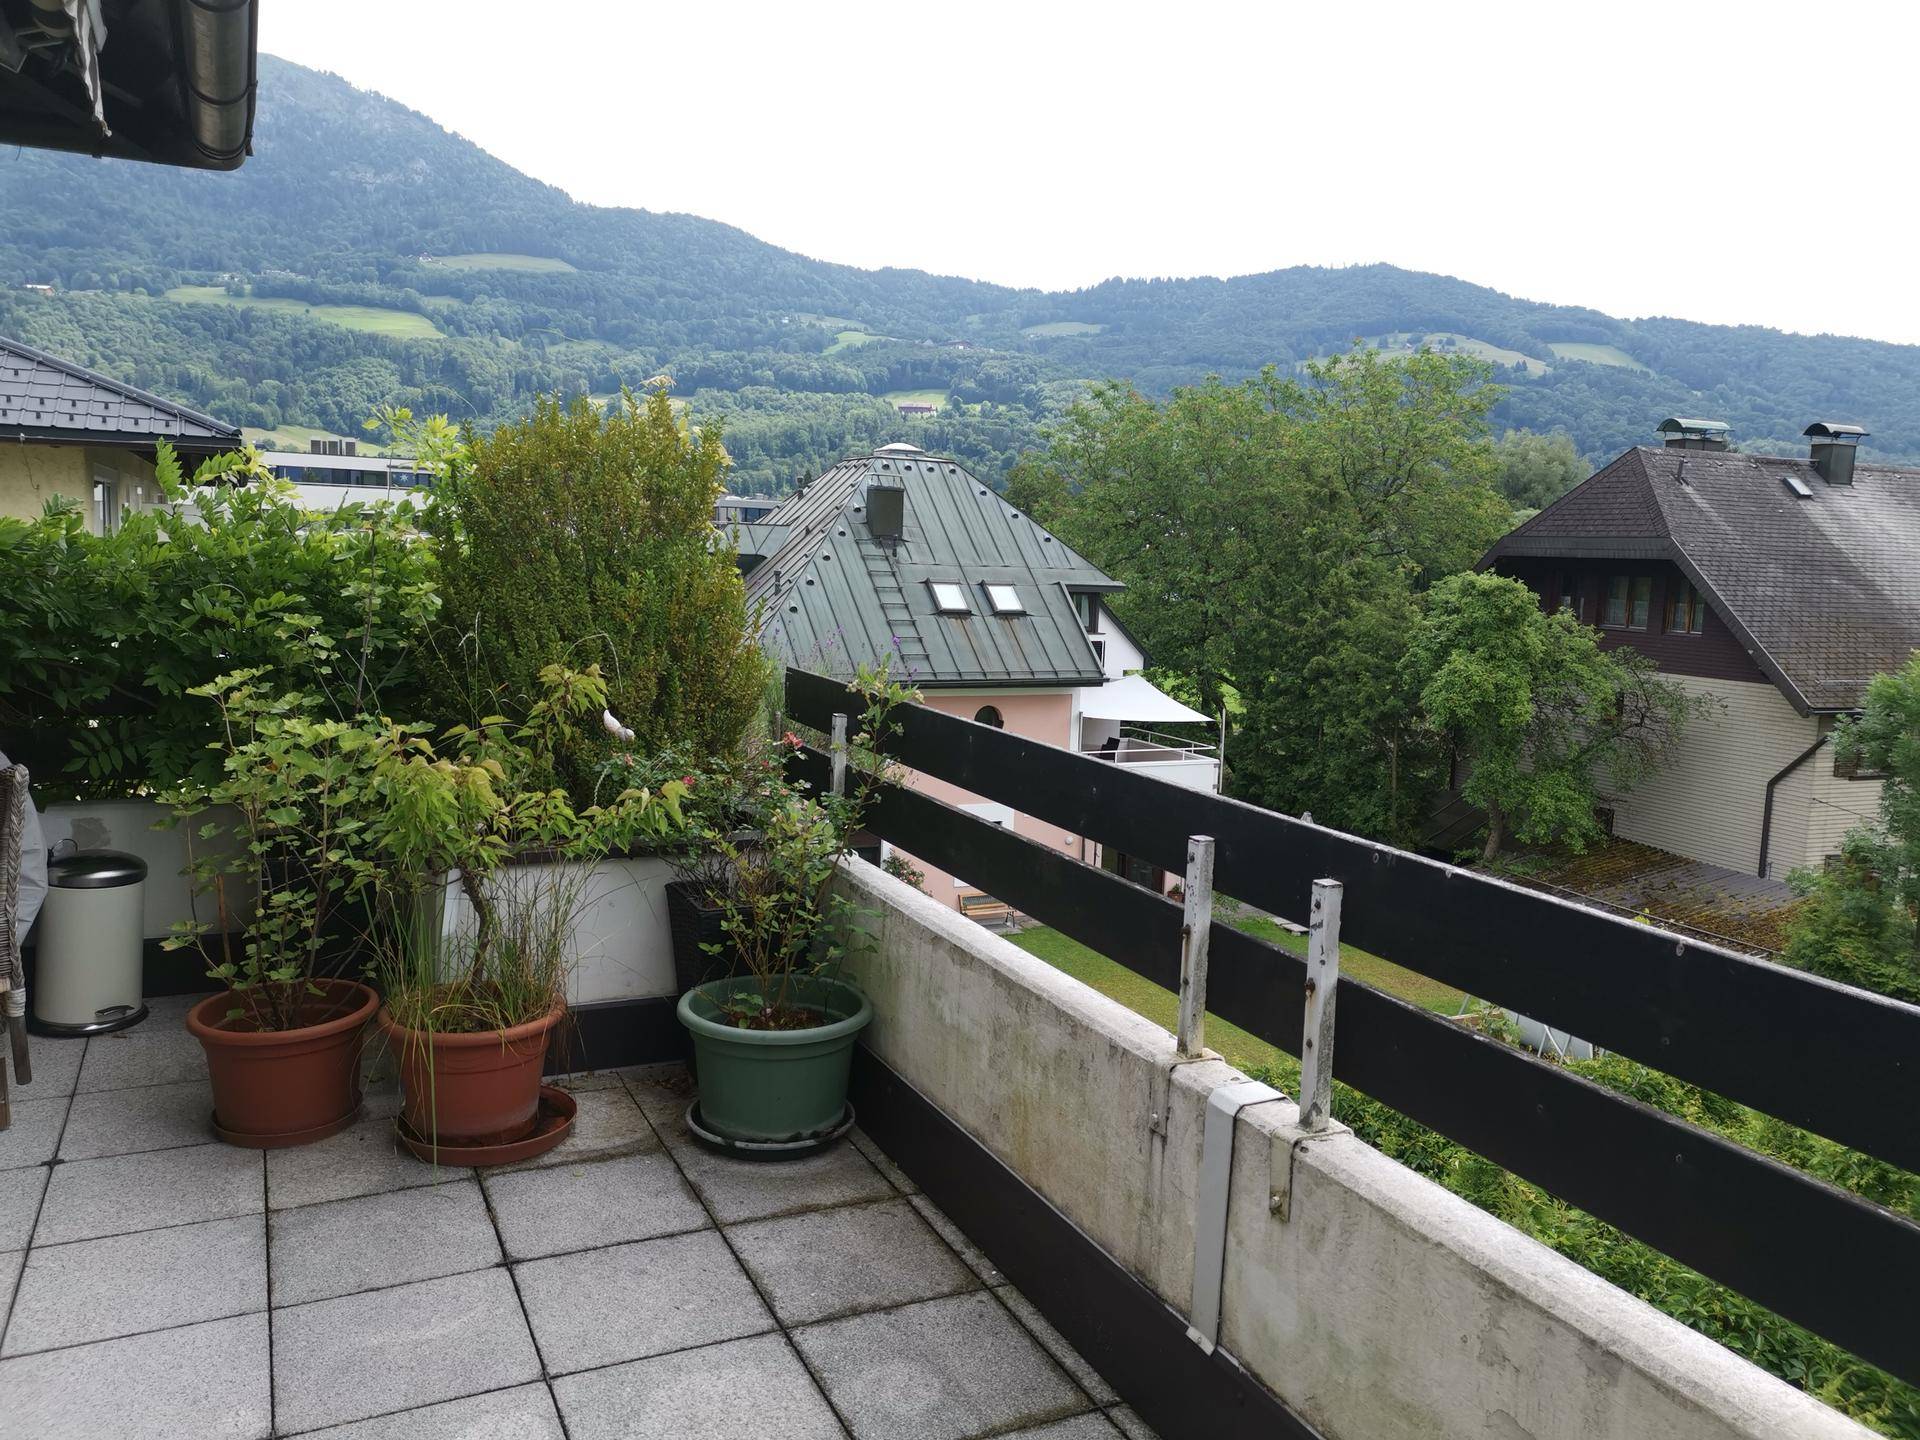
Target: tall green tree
(1861,922)
(1535,709)
(1536,470)
(1273,536)
(575,538)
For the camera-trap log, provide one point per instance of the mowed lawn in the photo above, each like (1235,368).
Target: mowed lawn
(1240,1049)
(1596,354)
(501,260)
(917,397)
(1063,327)
(398,324)
(849,339)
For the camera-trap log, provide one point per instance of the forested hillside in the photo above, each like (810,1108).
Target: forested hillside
(366,256)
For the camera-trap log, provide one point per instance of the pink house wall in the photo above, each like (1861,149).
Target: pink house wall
(1038,716)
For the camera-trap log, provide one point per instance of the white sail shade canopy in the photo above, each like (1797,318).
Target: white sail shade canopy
(1133,699)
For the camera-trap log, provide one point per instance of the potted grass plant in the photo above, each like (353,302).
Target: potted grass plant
(475,986)
(773,1042)
(284,1034)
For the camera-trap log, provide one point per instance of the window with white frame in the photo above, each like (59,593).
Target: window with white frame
(949,598)
(106,502)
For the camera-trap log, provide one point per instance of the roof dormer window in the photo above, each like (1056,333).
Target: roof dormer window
(949,598)
(1005,600)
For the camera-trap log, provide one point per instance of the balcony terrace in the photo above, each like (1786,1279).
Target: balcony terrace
(1056,1220)
(629,1284)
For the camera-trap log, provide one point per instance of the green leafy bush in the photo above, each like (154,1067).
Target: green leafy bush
(574,537)
(366,812)
(1861,922)
(103,638)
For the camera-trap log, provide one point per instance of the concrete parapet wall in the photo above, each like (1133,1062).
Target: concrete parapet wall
(1382,1307)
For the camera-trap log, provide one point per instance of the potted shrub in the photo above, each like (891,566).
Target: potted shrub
(773,1043)
(472,1007)
(283,1037)
(727,805)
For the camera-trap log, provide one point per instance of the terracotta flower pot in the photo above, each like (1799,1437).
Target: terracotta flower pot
(465,1090)
(273,1088)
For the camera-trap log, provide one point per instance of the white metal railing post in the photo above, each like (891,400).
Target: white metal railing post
(1323,987)
(1196,930)
(837,751)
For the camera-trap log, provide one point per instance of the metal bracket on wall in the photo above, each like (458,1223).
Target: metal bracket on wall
(1210,1207)
(1287,1146)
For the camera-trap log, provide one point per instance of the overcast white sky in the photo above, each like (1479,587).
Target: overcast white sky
(1732,163)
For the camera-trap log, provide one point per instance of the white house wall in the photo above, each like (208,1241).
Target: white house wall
(1835,806)
(1706,802)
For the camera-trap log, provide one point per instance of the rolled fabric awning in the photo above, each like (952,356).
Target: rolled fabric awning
(1133,698)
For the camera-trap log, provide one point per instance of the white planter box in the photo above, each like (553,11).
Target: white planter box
(623,949)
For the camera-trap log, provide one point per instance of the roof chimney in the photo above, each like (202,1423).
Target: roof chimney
(1833,449)
(1685,433)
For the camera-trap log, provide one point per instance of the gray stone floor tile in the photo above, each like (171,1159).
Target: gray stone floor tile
(1130,1424)
(830,1263)
(35,1132)
(583,1081)
(129,1284)
(743,1390)
(1094,1426)
(975,1258)
(897,1177)
(662,1091)
(56,1067)
(941,1370)
(157,1051)
(525,1413)
(363,1159)
(1055,1344)
(365,1355)
(607,1124)
(20,1192)
(738,1190)
(208,1381)
(626,1302)
(151,1117)
(11,1262)
(124,1193)
(345,1246)
(168,1011)
(577,1207)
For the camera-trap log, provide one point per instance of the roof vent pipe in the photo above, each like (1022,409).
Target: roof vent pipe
(1833,450)
(1686,433)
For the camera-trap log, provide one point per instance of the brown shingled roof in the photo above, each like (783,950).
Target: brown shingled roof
(1824,591)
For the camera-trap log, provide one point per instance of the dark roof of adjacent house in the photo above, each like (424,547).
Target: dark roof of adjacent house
(1823,588)
(834,597)
(53,401)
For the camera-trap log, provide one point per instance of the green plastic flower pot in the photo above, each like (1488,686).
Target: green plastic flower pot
(769,1086)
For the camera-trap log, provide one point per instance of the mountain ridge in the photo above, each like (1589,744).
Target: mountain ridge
(368,255)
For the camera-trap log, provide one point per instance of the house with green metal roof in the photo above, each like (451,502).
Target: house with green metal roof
(905,558)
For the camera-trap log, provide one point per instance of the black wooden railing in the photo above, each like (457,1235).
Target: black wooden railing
(1839,1062)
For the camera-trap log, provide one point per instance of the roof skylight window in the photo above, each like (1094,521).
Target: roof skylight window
(949,598)
(1005,600)
(1797,485)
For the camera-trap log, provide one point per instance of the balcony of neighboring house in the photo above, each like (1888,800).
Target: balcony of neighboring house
(1118,724)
